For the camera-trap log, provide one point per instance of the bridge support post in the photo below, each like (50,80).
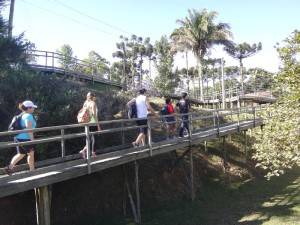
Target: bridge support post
(43,205)
(224,154)
(245,145)
(192,175)
(88,147)
(137,190)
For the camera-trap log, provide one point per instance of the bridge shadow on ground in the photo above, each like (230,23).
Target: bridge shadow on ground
(255,202)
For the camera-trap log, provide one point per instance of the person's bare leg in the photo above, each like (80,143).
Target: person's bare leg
(93,146)
(143,140)
(15,160)
(139,138)
(30,160)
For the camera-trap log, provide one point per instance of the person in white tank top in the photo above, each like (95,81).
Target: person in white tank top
(143,107)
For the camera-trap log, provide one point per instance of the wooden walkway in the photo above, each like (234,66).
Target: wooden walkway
(68,167)
(50,62)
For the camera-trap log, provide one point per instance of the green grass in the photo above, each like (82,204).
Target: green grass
(255,202)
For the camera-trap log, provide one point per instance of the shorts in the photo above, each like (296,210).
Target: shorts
(170,119)
(24,149)
(142,129)
(93,128)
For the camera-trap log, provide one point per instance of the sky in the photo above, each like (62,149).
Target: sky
(97,24)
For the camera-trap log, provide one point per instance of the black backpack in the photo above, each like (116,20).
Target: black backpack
(132,111)
(183,106)
(15,123)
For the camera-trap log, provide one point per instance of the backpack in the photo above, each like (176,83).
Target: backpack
(183,106)
(15,123)
(164,111)
(83,115)
(132,111)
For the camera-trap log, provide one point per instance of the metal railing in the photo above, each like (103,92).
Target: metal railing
(200,122)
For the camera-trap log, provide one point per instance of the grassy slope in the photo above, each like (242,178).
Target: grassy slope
(258,202)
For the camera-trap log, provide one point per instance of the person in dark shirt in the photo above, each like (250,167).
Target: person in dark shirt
(184,107)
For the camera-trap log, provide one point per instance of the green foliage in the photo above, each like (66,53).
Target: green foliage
(240,52)
(260,79)
(277,146)
(133,52)
(166,80)
(67,59)
(97,65)
(12,50)
(198,32)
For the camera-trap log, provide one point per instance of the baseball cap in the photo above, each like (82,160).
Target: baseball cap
(29,104)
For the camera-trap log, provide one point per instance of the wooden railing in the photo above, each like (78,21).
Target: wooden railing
(199,122)
(53,61)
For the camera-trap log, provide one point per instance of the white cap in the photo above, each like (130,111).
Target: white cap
(29,104)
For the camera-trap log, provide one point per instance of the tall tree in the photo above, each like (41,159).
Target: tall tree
(240,52)
(277,146)
(134,51)
(199,32)
(12,49)
(97,65)
(260,79)
(166,80)
(123,54)
(67,58)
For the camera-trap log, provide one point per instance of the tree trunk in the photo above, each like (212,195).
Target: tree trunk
(11,17)
(242,75)
(141,71)
(124,76)
(187,71)
(213,79)
(150,68)
(200,77)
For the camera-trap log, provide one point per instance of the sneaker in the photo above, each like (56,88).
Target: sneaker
(8,170)
(83,154)
(134,144)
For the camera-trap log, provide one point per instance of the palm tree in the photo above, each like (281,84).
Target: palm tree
(240,52)
(199,32)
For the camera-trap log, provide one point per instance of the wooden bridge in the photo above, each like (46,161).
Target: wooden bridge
(204,126)
(233,97)
(50,62)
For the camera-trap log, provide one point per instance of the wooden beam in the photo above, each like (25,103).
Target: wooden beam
(245,145)
(192,175)
(224,154)
(137,190)
(43,205)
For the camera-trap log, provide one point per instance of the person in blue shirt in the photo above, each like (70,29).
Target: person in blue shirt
(27,122)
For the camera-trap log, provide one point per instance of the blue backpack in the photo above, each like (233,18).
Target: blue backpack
(164,111)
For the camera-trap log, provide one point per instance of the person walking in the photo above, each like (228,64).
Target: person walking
(184,108)
(27,121)
(91,106)
(169,117)
(143,107)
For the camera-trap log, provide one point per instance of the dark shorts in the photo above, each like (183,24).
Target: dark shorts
(93,128)
(170,119)
(25,149)
(142,129)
